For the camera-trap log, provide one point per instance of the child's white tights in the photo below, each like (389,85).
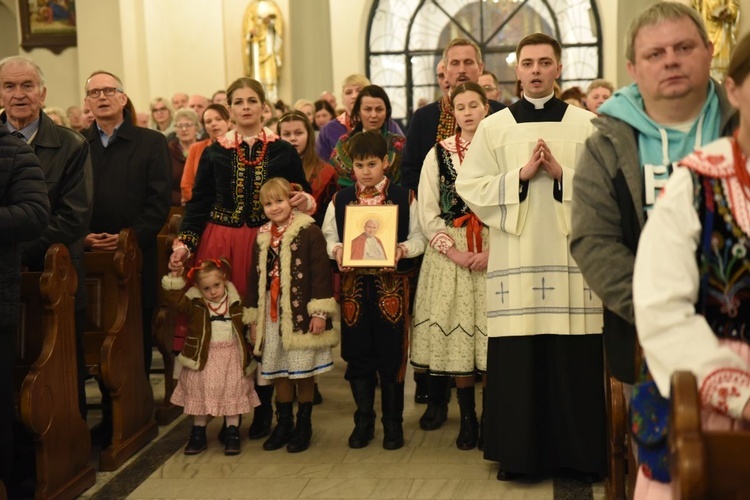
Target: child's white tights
(202,420)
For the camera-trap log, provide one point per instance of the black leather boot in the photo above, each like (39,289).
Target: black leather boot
(197,442)
(317,396)
(392,399)
(302,433)
(468,434)
(437,405)
(232,440)
(421,395)
(282,433)
(223,430)
(263,414)
(363,391)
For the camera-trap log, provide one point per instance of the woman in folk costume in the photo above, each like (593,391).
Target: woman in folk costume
(223,216)
(295,128)
(290,311)
(450,323)
(372,111)
(691,288)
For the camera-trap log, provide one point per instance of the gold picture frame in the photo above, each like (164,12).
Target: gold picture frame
(48,25)
(370,236)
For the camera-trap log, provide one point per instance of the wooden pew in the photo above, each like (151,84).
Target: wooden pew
(704,464)
(48,393)
(617,446)
(164,325)
(621,463)
(113,342)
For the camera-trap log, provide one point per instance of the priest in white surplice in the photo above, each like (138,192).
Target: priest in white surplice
(545,394)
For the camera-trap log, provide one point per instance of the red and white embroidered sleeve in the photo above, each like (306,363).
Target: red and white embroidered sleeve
(727,391)
(442,242)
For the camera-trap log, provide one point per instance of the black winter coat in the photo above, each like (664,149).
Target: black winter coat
(64,157)
(24,210)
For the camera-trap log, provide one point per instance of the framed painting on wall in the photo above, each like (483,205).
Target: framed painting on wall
(47,24)
(370,236)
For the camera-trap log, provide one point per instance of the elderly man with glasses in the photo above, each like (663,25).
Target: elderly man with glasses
(131,188)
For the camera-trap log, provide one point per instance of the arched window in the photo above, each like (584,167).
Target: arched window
(406,37)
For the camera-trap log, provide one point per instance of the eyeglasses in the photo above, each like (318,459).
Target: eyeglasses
(183,126)
(489,88)
(155,110)
(108,91)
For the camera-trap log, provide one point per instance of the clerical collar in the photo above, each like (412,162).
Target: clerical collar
(29,131)
(540,101)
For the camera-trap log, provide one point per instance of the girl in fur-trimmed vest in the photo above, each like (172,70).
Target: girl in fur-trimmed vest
(218,379)
(290,311)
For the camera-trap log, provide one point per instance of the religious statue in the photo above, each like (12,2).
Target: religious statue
(721,18)
(262,44)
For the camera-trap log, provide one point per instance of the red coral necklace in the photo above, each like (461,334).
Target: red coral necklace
(223,304)
(459,149)
(241,153)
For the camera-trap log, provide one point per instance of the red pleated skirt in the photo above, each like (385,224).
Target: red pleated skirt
(233,243)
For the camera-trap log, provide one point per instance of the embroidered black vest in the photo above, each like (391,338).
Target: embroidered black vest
(451,205)
(724,297)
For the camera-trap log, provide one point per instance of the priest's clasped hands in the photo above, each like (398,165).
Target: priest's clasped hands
(541,157)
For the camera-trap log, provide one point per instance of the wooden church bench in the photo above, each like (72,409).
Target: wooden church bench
(704,464)
(617,430)
(164,321)
(46,371)
(113,343)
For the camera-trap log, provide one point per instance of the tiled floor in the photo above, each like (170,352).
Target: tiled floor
(428,466)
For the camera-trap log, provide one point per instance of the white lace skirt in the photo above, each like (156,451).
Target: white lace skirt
(450,315)
(298,363)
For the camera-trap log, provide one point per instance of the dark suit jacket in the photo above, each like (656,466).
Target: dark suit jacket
(421,138)
(132,190)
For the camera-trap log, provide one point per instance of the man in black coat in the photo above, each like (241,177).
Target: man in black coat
(64,157)
(430,124)
(24,209)
(131,184)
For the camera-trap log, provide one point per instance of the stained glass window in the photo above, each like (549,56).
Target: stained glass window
(406,37)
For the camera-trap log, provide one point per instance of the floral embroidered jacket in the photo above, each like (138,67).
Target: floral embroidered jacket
(692,280)
(226,192)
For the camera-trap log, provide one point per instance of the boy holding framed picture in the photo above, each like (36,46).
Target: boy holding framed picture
(375,293)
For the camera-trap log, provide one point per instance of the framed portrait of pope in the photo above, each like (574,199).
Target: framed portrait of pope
(370,236)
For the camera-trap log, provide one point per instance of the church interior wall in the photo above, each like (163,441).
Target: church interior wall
(62,69)
(348,38)
(159,48)
(8,28)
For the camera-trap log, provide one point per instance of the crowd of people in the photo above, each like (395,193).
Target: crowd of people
(520,255)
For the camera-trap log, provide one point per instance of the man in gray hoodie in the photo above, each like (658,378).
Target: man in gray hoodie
(672,108)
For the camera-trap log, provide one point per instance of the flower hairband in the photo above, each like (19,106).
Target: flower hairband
(199,267)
